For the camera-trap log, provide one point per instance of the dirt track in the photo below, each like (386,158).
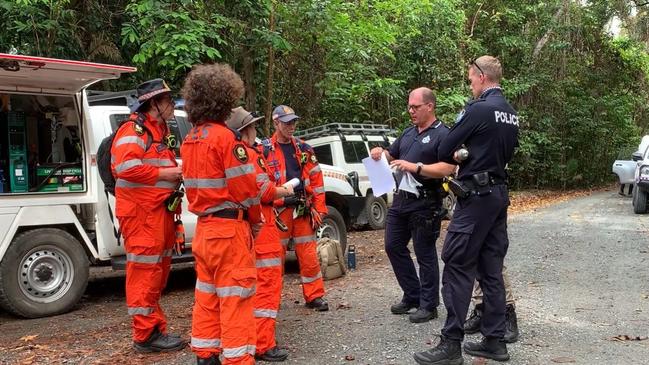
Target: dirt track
(579,270)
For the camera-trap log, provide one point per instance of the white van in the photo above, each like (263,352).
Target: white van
(345,145)
(55,218)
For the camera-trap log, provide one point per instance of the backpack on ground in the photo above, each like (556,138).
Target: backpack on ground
(332,260)
(104,155)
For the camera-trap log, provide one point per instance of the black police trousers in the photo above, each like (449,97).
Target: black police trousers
(414,218)
(475,247)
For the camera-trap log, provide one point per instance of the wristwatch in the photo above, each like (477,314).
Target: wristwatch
(419,166)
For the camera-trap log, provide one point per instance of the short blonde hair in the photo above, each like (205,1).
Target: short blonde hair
(490,67)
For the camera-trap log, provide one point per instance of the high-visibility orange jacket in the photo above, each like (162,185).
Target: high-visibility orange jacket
(311,173)
(137,170)
(226,178)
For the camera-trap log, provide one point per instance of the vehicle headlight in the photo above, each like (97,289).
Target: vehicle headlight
(644,171)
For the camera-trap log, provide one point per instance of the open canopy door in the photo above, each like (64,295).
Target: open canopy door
(40,74)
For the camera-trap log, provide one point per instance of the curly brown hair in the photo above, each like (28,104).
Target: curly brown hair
(210,92)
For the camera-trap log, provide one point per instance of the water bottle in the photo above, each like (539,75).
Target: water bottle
(351,257)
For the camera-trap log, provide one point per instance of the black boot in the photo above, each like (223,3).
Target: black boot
(273,355)
(212,360)
(490,348)
(319,304)
(472,325)
(423,315)
(402,307)
(447,352)
(158,342)
(511,325)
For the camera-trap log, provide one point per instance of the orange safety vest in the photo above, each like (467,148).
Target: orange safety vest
(136,169)
(311,174)
(225,177)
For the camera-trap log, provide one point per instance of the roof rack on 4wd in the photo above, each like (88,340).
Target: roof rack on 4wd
(341,129)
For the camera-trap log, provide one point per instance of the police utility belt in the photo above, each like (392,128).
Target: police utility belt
(478,184)
(423,194)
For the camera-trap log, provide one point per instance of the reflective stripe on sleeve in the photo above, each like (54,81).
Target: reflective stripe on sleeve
(121,183)
(239,351)
(143,259)
(319,190)
(158,162)
(314,170)
(139,311)
(250,202)
(285,241)
(265,313)
(306,279)
(268,262)
(130,139)
(236,171)
(127,165)
(205,343)
(204,183)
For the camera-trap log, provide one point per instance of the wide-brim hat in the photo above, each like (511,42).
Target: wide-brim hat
(240,118)
(284,113)
(147,90)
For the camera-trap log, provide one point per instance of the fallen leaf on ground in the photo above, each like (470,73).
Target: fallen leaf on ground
(629,338)
(28,338)
(563,360)
(349,357)
(343,305)
(479,361)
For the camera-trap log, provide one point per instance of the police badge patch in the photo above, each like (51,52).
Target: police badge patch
(240,153)
(425,140)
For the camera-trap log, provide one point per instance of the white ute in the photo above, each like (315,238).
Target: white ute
(55,220)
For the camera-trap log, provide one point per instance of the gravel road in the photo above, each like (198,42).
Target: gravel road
(579,271)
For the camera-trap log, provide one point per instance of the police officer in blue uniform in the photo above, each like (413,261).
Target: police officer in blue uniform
(416,217)
(476,242)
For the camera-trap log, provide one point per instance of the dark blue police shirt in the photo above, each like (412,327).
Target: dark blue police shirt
(415,146)
(292,166)
(488,127)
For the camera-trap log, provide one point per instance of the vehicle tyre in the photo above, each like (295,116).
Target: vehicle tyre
(639,200)
(44,272)
(333,226)
(377,211)
(448,203)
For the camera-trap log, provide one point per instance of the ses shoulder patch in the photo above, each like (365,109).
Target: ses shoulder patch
(138,129)
(314,159)
(240,153)
(260,162)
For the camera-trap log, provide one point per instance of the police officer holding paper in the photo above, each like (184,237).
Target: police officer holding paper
(476,243)
(416,215)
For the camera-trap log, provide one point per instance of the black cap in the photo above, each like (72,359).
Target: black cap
(147,90)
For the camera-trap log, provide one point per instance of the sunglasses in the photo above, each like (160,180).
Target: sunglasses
(474,63)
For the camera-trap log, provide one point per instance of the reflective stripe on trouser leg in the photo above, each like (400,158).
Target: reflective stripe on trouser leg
(305,250)
(225,286)
(146,269)
(267,297)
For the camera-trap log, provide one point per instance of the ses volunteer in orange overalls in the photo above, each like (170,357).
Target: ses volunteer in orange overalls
(290,158)
(220,179)
(146,175)
(268,248)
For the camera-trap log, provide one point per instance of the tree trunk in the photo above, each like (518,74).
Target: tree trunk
(269,75)
(546,37)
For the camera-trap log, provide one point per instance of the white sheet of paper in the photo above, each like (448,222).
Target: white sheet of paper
(380,175)
(408,183)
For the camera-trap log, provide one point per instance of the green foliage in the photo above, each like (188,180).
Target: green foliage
(581,92)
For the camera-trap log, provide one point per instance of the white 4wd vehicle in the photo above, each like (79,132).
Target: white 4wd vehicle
(345,145)
(641,187)
(55,219)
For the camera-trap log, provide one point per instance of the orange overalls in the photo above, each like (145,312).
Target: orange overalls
(220,180)
(300,228)
(269,252)
(147,226)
